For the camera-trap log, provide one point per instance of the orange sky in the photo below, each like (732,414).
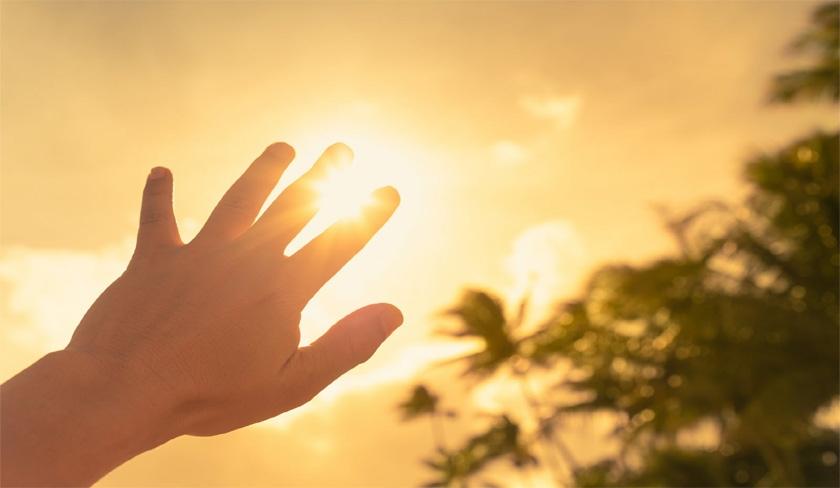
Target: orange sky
(530,142)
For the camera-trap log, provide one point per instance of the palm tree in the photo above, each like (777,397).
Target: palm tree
(482,316)
(423,402)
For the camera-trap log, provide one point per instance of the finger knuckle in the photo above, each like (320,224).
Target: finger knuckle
(360,351)
(151,217)
(238,204)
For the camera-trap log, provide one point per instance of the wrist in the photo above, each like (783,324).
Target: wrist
(72,404)
(119,396)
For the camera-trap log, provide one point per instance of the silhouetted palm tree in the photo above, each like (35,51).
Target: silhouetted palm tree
(423,402)
(482,316)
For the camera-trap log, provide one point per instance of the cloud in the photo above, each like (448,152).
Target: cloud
(48,291)
(561,111)
(546,262)
(508,153)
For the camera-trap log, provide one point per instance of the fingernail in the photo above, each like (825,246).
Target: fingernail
(158,172)
(391,318)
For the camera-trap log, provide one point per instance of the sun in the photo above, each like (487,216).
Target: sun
(343,194)
(381,158)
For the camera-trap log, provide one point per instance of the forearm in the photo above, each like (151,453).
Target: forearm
(65,421)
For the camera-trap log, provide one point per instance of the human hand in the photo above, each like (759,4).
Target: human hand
(197,338)
(208,332)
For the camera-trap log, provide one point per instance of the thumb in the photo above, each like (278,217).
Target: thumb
(348,343)
(157,220)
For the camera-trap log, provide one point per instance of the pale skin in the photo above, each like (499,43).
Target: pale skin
(195,339)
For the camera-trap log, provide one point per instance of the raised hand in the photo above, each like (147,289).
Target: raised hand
(202,338)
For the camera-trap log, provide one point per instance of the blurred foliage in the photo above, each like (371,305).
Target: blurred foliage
(696,467)
(481,316)
(737,334)
(422,402)
(822,79)
(501,440)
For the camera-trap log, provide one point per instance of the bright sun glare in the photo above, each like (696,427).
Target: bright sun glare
(381,158)
(342,194)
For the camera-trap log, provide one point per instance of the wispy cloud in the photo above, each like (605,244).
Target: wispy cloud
(561,111)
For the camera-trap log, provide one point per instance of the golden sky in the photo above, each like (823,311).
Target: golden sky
(530,142)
